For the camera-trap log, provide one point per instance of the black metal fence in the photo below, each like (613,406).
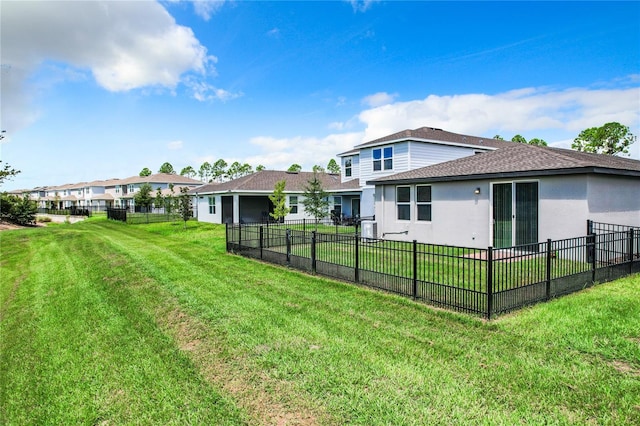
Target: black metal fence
(71,211)
(484,282)
(125,215)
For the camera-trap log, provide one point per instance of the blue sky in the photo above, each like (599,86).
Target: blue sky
(93,90)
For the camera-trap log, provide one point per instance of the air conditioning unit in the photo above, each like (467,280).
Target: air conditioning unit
(369,229)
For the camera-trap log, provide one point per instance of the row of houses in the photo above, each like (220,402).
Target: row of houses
(102,194)
(424,184)
(440,187)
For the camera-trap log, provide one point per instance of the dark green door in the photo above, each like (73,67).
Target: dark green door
(502,215)
(515,227)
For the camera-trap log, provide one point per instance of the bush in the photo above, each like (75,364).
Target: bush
(43,219)
(18,210)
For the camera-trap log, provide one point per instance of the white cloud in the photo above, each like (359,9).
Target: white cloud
(528,110)
(379,99)
(124,45)
(361,5)
(175,145)
(203,91)
(206,8)
(275,33)
(280,153)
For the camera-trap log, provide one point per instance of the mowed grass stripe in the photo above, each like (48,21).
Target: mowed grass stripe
(317,351)
(278,318)
(81,349)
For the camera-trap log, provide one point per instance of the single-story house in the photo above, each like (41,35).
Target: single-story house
(246,199)
(517,194)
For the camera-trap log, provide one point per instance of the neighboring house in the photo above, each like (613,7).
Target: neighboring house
(518,194)
(404,151)
(102,194)
(246,199)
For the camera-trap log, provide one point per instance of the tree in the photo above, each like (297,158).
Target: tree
(159,201)
(610,139)
(237,170)
(167,168)
(294,168)
(259,168)
(188,172)
(169,201)
(143,197)
(219,170)
(7,172)
(145,172)
(333,167)
(316,200)
(279,200)
(538,142)
(498,137)
(317,169)
(23,211)
(205,171)
(534,141)
(184,205)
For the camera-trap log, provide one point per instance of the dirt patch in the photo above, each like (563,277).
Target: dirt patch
(625,368)
(266,400)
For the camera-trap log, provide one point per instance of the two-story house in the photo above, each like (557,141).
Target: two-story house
(401,152)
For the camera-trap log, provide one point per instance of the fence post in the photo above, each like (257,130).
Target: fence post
(239,236)
(226,235)
(261,240)
(631,250)
(304,225)
(591,244)
(548,289)
(589,227)
(415,269)
(288,238)
(313,251)
(357,259)
(489,281)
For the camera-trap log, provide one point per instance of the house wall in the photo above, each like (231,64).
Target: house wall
(426,154)
(355,168)
(619,206)
(461,218)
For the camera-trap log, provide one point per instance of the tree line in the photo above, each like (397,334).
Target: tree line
(221,171)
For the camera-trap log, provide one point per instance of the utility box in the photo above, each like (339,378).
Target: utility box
(369,229)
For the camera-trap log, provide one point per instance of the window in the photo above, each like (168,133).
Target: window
(383,158)
(347,167)
(212,205)
(337,206)
(131,188)
(423,202)
(117,189)
(403,202)
(293,204)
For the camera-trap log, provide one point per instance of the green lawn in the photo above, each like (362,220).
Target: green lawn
(106,323)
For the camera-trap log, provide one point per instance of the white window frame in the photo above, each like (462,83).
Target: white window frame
(406,205)
(424,203)
(348,166)
(293,204)
(384,158)
(212,205)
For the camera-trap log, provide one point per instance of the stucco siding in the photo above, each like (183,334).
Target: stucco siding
(614,200)
(563,211)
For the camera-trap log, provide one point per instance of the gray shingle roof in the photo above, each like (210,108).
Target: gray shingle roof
(518,160)
(430,134)
(265,180)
